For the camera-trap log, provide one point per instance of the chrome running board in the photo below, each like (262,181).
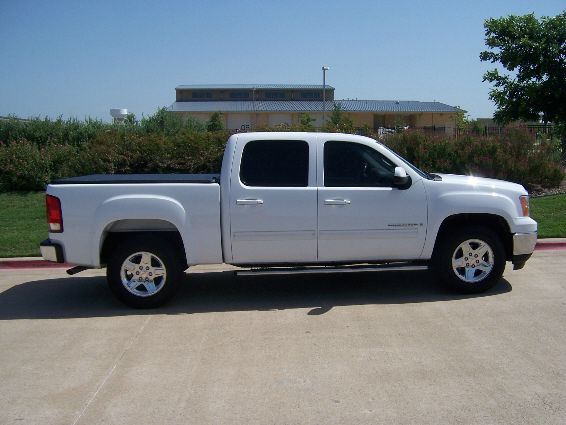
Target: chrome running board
(266,271)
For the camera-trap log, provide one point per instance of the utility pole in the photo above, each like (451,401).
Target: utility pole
(324,69)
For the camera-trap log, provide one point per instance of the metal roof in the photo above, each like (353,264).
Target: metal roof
(250,86)
(312,106)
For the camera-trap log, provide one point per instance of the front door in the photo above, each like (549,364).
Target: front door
(273,203)
(361,216)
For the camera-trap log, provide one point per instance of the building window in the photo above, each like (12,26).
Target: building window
(239,94)
(201,95)
(355,165)
(275,95)
(275,163)
(311,95)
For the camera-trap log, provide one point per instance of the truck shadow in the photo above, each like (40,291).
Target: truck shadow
(81,297)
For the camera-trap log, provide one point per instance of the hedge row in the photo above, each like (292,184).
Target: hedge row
(515,155)
(25,165)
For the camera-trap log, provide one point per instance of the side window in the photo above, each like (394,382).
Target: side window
(275,163)
(354,165)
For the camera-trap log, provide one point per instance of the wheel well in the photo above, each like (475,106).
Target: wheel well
(495,223)
(112,239)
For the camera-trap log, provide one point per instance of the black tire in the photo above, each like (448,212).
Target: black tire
(140,249)
(474,275)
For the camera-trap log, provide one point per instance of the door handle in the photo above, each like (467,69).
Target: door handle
(337,202)
(249,201)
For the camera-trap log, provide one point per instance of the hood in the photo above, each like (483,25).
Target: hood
(481,183)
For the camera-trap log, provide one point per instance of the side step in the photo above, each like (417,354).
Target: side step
(390,267)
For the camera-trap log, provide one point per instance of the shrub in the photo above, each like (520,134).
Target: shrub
(515,155)
(164,143)
(23,166)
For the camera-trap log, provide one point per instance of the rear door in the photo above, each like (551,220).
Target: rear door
(273,202)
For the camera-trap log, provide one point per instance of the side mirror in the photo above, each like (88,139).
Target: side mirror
(401,180)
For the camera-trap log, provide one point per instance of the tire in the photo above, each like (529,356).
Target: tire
(143,272)
(473,273)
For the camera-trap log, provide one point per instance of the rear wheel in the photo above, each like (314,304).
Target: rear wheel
(471,260)
(143,272)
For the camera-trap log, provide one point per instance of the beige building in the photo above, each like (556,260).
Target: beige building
(246,107)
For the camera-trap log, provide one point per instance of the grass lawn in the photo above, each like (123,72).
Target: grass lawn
(550,213)
(23,225)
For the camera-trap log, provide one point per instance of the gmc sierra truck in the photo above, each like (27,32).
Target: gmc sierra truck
(289,203)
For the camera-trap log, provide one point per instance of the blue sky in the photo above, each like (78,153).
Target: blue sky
(80,58)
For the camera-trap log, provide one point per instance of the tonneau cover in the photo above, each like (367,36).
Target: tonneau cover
(140,178)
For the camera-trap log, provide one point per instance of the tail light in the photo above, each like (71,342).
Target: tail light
(54,214)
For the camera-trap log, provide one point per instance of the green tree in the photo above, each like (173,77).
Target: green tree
(306,121)
(339,121)
(533,51)
(215,122)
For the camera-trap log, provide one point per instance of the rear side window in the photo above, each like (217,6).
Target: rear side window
(275,163)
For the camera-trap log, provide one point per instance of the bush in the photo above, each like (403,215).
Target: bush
(43,131)
(24,166)
(515,155)
(38,151)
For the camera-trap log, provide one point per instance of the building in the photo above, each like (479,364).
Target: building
(246,107)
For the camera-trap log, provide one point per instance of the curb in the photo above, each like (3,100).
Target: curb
(39,263)
(32,264)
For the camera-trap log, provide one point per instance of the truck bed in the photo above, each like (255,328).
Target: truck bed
(140,179)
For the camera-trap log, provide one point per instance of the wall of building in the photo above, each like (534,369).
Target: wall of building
(249,121)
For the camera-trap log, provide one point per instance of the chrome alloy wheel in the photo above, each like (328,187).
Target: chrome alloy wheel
(143,274)
(473,260)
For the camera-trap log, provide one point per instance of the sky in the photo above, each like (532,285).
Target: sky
(81,58)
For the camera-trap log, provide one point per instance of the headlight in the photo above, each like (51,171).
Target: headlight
(524,205)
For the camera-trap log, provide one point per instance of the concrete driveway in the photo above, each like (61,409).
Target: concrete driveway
(354,349)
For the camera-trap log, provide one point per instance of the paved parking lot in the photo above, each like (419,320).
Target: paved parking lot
(369,348)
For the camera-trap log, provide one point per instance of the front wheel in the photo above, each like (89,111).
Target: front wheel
(144,273)
(470,260)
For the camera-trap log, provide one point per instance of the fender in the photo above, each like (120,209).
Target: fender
(133,207)
(452,203)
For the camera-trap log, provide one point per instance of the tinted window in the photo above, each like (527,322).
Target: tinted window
(280,163)
(275,95)
(239,95)
(355,165)
(202,95)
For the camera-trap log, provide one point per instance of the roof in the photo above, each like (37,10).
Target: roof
(251,86)
(312,106)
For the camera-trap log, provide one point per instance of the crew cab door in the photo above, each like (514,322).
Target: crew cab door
(361,215)
(273,202)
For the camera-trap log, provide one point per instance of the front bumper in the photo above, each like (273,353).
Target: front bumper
(51,251)
(523,247)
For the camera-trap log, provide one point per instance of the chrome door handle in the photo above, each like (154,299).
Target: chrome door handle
(249,201)
(337,202)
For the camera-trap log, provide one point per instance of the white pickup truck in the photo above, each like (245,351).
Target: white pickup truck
(289,203)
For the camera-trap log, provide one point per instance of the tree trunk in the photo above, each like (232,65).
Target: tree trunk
(563,138)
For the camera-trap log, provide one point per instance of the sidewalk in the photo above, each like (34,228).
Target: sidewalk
(550,244)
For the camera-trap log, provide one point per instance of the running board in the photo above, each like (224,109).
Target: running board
(330,269)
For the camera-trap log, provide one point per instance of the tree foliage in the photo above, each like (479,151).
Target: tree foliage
(339,121)
(306,122)
(533,51)
(215,122)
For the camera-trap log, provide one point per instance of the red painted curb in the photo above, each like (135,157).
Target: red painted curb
(550,246)
(33,264)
